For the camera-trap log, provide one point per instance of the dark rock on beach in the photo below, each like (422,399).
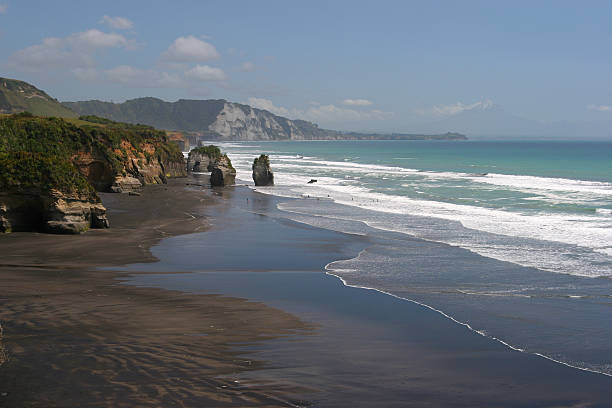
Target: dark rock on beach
(54,212)
(262,174)
(210,159)
(223,173)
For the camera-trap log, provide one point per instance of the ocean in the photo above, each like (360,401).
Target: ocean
(536,215)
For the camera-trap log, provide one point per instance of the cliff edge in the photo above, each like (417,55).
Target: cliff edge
(51,169)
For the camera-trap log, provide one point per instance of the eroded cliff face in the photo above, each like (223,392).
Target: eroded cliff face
(241,122)
(198,162)
(138,168)
(50,169)
(54,211)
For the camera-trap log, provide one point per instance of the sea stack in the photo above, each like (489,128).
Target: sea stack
(222,172)
(209,158)
(262,175)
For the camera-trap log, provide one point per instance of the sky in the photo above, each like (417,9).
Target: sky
(348,65)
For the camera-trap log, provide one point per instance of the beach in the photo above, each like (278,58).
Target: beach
(76,338)
(200,297)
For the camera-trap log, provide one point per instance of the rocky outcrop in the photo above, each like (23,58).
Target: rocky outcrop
(198,162)
(209,159)
(222,172)
(126,184)
(262,174)
(50,169)
(54,212)
(95,168)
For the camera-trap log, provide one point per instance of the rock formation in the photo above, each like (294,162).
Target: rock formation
(262,174)
(210,159)
(222,173)
(53,211)
(50,169)
(198,162)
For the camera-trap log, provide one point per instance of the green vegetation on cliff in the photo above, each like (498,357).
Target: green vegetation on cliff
(212,151)
(18,96)
(42,153)
(184,115)
(214,154)
(25,171)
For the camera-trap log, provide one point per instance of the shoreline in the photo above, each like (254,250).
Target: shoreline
(468,326)
(260,322)
(68,321)
(489,372)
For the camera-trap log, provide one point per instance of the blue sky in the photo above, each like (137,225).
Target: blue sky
(350,65)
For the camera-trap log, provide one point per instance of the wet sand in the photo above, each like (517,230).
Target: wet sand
(368,349)
(76,338)
(239,314)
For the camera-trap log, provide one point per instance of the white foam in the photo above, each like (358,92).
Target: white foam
(340,181)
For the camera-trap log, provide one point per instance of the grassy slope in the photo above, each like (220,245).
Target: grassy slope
(18,96)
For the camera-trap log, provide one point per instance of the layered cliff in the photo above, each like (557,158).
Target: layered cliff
(50,169)
(214,119)
(221,120)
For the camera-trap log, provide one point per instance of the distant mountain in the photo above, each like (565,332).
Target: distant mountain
(218,119)
(214,119)
(18,96)
(493,121)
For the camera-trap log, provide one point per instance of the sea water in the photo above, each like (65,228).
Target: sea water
(536,216)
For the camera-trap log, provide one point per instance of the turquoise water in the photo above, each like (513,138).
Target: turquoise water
(539,214)
(558,193)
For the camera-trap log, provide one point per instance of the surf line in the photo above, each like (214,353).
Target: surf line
(328,271)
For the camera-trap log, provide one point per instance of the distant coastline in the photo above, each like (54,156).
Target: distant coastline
(218,119)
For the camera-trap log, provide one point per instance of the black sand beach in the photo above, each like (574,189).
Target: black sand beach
(239,313)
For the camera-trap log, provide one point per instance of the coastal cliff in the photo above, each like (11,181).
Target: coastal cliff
(218,119)
(51,169)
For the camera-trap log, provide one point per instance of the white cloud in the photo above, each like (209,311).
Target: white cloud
(72,52)
(119,23)
(51,53)
(97,39)
(456,108)
(600,108)
(247,67)
(190,49)
(356,102)
(206,73)
(3,8)
(266,104)
(320,113)
(147,78)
